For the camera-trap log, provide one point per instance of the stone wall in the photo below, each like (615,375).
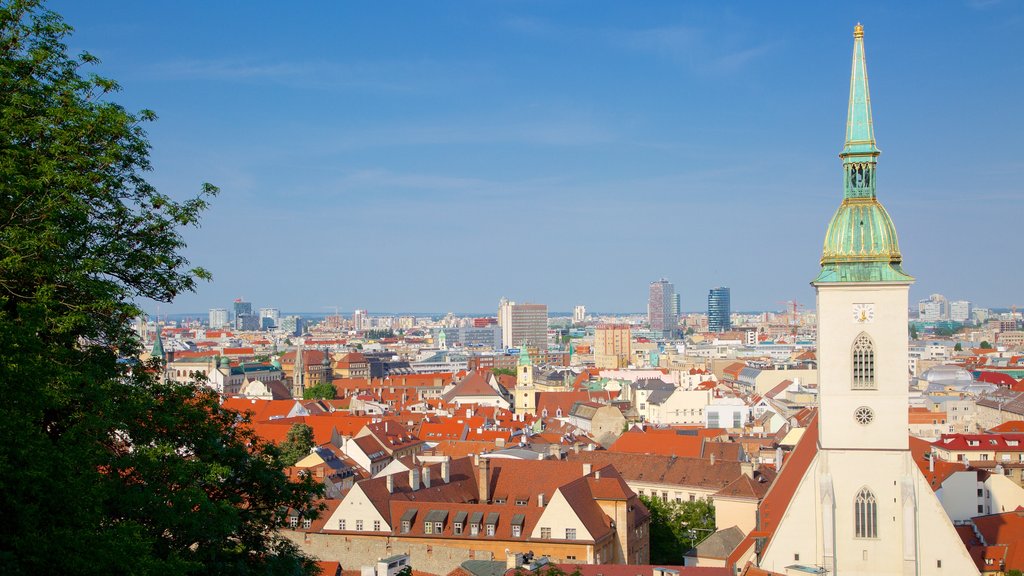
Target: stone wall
(353,553)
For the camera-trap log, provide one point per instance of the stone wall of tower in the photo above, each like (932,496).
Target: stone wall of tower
(838,400)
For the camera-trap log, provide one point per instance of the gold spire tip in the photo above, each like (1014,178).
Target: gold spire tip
(858,30)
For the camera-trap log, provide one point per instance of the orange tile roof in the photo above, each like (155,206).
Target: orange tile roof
(777,500)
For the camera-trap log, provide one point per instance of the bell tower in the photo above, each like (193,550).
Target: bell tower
(862,295)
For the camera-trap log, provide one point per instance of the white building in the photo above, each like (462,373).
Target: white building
(960,310)
(218,317)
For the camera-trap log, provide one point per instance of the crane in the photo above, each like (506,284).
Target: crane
(792,308)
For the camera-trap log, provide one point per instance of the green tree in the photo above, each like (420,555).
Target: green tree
(985,345)
(677,527)
(106,467)
(913,332)
(503,371)
(297,444)
(958,347)
(322,391)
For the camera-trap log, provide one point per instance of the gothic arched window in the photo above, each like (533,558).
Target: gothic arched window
(863,363)
(865,515)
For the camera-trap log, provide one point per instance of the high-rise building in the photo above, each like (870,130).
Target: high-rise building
(960,310)
(719,310)
(579,314)
(934,309)
(659,308)
(218,317)
(523,323)
(677,306)
(612,346)
(241,307)
(360,320)
(269,317)
(855,500)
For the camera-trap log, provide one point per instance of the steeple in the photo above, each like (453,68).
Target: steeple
(158,346)
(524,355)
(861,243)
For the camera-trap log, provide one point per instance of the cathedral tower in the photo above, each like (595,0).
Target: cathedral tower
(850,500)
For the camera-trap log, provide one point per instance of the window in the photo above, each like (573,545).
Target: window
(981,509)
(293,521)
(517,530)
(341,524)
(359,525)
(865,514)
(428,527)
(405,526)
(664,496)
(863,363)
(796,557)
(376,525)
(438,527)
(545,533)
(457,528)
(693,498)
(979,492)
(490,529)
(520,502)
(307,522)
(570,533)
(474,529)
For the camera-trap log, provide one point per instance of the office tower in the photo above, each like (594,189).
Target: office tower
(612,346)
(934,309)
(241,307)
(719,309)
(218,317)
(677,306)
(523,323)
(269,317)
(659,308)
(579,314)
(293,325)
(856,501)
(960,310)
(247,322)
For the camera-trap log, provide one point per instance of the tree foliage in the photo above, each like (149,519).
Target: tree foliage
(297,444)
(958,347)
(985,345)
(677,527)
(105,467)
(322,391)
(503,371)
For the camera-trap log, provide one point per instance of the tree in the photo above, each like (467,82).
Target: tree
(958,347)
(105,466)
(297,444)
(503,371)
(677,527)
(985,345)
(322,391)
(913,332)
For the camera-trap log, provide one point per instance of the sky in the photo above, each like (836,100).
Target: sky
(436,156)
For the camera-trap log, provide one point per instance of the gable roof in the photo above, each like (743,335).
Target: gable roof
(776,501)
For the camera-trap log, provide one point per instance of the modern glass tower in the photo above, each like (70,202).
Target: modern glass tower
(719,309)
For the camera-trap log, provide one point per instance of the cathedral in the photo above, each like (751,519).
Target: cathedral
(850,500)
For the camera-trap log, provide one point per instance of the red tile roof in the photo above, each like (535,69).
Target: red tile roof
(776,501)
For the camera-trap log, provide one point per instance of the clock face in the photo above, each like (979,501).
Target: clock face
(863,313)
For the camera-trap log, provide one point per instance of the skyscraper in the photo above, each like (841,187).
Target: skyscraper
(218,317)
(269,317)
(719,310)
(855,501)
(523,323)
(579,314)
(612,346)
(360,320)
(659,307)
(242,307)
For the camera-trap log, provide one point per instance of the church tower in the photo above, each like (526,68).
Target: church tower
(850,499)
(526,394)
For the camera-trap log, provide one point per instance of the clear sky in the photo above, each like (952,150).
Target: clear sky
(435,156)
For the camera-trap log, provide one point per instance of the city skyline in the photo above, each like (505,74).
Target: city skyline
(373,141)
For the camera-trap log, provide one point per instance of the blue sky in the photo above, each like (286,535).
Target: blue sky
(435,156)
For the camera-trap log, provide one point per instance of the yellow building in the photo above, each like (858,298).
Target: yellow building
(612,346)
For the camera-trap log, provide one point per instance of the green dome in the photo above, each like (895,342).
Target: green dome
(861,245)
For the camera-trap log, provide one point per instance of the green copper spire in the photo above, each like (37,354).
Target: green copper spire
(861,243)
(158,346)
(524,356)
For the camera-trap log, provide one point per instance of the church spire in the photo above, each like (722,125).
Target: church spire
(860,243)
(860,131)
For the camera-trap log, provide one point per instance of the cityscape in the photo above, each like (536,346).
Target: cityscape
(157,426)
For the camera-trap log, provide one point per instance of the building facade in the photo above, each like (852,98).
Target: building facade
(218,317)
(523,324)
(612,346)
(660,304)
(719,310)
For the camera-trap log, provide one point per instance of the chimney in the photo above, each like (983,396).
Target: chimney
(931,463)
(540,500)
(712,458)
(587,469)
(426,477)
(391,483)
(778,458)
(414,479)
(484,480)
(576,447)
(747,468)
(446,469)
(597,474)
